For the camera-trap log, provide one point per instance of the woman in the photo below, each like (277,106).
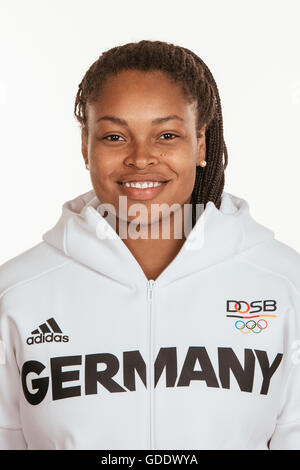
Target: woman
(113,337)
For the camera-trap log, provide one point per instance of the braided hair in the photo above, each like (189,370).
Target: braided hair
(180,65)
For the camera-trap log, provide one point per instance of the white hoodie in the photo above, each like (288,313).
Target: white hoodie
(93,355)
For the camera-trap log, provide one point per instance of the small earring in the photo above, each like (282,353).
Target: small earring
(203,163)
(87,166)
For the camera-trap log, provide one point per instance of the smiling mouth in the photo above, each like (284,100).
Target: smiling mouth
(142,184)
(142,190)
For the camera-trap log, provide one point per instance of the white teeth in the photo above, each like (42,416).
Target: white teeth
(143,184)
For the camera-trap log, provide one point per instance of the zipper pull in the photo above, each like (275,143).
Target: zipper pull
(151,283)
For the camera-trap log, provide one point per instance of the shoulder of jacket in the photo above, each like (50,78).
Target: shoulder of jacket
(29,265)
(278,258)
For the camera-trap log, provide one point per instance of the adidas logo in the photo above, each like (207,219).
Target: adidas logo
(48,332)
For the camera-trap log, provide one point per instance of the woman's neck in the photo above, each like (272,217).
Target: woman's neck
(155,254)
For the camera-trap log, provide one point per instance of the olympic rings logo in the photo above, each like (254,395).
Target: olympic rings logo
(250,326)
(247,324)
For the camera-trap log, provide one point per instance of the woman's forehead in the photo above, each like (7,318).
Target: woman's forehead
(153,97)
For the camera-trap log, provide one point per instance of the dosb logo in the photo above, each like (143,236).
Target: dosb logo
(241,309)
(244,307)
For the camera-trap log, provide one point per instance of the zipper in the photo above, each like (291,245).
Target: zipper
(150,286)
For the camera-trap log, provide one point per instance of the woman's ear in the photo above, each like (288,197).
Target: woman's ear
(84,144)
(201,145)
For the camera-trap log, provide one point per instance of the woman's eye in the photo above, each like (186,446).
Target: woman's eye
(113,135)
(116,137)
(169,133)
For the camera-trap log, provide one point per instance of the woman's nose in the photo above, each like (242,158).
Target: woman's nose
(142,156)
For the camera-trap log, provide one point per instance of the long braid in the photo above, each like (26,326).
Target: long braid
(209,182)
(186,68)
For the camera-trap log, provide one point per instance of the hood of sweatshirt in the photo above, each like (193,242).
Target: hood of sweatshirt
(84,235)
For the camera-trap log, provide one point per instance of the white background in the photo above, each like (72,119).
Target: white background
(251,47)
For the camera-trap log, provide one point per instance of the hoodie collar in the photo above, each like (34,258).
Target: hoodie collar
(82,234)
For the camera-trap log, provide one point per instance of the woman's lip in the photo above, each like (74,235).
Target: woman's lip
(142,194)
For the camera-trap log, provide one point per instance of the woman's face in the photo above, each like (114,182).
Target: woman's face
(141,129)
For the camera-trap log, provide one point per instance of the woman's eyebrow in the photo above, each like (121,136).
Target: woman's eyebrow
(122,122)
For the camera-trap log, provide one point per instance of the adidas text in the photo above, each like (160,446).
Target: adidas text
(48,338)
